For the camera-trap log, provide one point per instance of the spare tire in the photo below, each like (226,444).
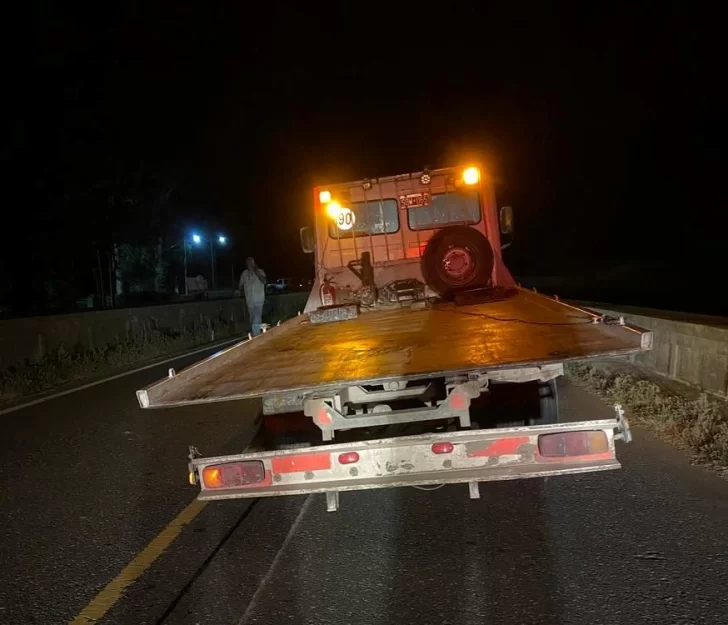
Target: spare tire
(457,258)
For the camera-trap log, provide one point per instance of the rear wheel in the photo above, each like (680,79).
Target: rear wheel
(517,404)
(289,431)
(549,403)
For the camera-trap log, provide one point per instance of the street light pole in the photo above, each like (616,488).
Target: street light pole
(221,240)
(212,261)
(184,245)
(198,240)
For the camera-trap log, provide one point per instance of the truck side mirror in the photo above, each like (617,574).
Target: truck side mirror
(506,220)
(307,240)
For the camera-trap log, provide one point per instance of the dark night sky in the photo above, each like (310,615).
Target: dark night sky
(603,127)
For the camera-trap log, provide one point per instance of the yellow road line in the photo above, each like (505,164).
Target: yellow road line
(106,599)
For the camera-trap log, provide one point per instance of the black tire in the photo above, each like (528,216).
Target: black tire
(457,258)
(515,405)
(548,403)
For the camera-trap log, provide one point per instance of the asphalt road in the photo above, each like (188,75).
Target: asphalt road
(88,480)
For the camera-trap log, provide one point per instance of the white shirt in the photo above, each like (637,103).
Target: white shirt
(253,286)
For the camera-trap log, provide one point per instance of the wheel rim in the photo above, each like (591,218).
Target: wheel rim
(458,264)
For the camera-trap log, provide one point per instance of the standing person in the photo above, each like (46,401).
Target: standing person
(252,284)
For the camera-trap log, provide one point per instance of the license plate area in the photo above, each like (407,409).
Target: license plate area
(414,200)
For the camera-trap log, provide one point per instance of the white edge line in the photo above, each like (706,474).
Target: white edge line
(269,573)
(83,387)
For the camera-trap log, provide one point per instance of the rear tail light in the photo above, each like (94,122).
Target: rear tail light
(349,457)
(567,444)
(442,448)
(233,474)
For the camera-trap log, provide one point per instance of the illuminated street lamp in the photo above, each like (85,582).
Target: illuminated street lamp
(221,240)
(197,240)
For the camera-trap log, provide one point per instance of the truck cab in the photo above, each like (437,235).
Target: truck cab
(440,228)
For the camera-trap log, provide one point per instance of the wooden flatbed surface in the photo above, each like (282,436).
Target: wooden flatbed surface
(524,329)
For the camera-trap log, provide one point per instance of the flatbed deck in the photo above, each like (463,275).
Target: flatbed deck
(526,329)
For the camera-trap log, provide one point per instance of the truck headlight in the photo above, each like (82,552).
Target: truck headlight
(333,209)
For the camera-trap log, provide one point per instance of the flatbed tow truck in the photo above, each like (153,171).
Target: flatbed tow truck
(417,360)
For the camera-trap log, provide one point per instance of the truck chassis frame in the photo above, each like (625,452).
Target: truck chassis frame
(370,408)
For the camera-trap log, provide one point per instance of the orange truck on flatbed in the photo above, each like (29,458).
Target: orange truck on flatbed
(417,359)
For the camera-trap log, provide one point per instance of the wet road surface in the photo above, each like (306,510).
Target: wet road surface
(88,480)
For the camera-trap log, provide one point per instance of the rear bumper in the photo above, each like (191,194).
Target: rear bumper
(473,456)
(491,474)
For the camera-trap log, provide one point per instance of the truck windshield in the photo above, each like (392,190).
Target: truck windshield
(375,217)
(461,207)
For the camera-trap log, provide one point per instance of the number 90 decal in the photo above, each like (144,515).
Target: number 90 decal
(345,219)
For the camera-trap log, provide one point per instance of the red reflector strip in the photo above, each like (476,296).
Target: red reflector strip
(308,462)
(457,401)
(442,448)
(499,447)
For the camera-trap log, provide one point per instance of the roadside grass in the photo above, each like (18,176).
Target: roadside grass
(698,426)
(281,308)
(64,365)
(72,364)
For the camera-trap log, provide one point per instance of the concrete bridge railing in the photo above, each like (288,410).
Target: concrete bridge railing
(687,347)
(34,338)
